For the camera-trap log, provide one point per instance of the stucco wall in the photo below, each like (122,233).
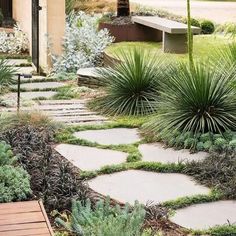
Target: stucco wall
(51,25)
(22,14)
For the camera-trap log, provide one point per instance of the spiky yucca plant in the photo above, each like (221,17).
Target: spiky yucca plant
(6,75)
(226,56)
(131,87)
(201,99)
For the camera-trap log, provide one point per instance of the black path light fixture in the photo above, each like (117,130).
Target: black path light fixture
(35,33)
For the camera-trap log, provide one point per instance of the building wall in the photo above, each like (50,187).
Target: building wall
(51,25)
(22,14)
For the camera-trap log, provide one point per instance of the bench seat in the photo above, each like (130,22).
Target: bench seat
(174,33)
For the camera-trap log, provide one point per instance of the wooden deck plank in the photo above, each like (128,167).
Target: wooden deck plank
(33,204)
(24,219)
(39,225)
(27,232)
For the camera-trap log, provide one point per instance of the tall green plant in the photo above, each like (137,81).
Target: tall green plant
(199,99)
(190,35)
(131,86)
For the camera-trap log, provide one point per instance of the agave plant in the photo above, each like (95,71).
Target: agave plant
(6,74)
(199,99)
(131,87)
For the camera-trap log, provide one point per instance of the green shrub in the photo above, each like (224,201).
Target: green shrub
(207,26)
(14,184)
(194,22)
(6,154)
(131,87)
(104,220)
(200,100)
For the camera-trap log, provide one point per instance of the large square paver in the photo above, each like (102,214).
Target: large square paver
(158,153)
(88,158)
(131,185)
(206,215)
(115,136)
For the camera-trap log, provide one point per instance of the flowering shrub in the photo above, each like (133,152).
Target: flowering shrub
(83,43)
(13,43)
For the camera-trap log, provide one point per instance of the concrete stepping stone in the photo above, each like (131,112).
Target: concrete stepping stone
(17,62)
(206,215)
(158,153)
(25,70)
(114,136)
(131,185)
(40,85)
(88,158)
(29,95)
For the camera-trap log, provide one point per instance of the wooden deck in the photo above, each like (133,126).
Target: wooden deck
(24,219)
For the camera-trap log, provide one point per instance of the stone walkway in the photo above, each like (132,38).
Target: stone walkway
(129,185)
(144,186)
(69,112)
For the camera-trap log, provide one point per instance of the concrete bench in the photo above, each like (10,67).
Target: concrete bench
(174,33)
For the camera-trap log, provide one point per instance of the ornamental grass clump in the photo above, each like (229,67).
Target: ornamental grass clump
(6,75)
(131,86)
(199,100)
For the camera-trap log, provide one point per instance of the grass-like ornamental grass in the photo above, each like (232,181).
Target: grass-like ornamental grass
(6,75)
(200,100)
(131,87)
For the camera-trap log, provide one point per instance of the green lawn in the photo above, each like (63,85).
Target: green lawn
(204,46)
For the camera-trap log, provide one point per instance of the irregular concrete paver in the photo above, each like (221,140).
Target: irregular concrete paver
(158,153)
(42,85)
(206,215)
(88,158)
(131,185)
(114,136)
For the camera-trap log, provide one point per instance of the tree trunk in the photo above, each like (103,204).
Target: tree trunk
(123,8)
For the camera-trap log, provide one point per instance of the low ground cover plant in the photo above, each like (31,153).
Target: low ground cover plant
(53,179)
(217,171)
(14,180)
(131,87)
(104,220)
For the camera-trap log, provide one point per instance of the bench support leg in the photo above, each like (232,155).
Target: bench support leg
(175,43)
